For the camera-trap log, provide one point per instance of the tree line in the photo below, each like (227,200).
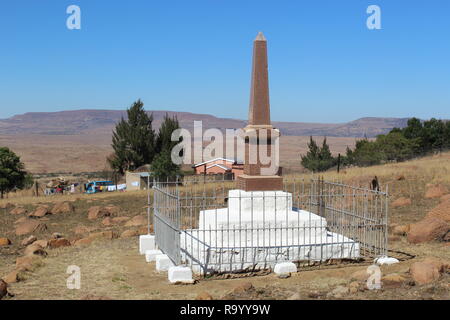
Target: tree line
(417,139)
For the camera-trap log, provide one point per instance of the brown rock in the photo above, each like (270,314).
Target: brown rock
(112,210)
(56,235)
(12,277)
(401,202)
(353,287)
(129,233)
(41,243)
(441,265)
(360,275)
(97,212)
(84,241)
(243,287)
(20,220)
(26,263)
(445,198)
(393,280)
(34,249)
(4,242)
(40,212)
(104,234)
(27,241)
(83,229)
(400,178)
(424,272)
(3,289)
(436,191)
(63,207)
(428,229)
(137,221)
(18,210)
(107,221)
(58,243)
(119,220)
(29,226)
(401,230)
(442,211)
(204,296)
(6,205)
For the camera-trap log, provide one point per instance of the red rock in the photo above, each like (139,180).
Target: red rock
(29,226)
(3,289)
(40,212)
(243,287)
(41,243)
(118,220)
(18,210)
(12,277)
(436,191)
(4,242)
(445,198)
(97,212)
(137,221)
(113,210)
(428,229)
(34,249)
(26,263)
(442,211)
(424,272)
(63,207)
(401,230)
(129,233)
(84,241)
(204,296)
(27,241)
(58,243)
(104,234)
(6,205)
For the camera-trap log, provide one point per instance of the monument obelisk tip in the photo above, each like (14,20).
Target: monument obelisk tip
(260,37)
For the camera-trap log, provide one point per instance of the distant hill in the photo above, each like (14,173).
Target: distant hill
(78,122)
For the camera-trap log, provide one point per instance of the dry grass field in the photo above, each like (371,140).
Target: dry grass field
(112,268)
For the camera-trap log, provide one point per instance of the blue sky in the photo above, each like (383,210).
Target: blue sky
(324,64)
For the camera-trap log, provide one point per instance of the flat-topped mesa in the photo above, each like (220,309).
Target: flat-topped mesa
(255,177)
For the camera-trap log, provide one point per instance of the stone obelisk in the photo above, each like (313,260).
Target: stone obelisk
(259,125)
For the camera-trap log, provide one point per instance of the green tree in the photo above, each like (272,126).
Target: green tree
(395,147)
(12,173)
(317,158)
(133,140)
(164,137)
(164,168)
(367,153)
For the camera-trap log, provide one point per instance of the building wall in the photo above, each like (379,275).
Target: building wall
(133,181)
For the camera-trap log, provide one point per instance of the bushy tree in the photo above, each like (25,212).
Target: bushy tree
(317,158)
(163,167)
(395,147)
(133,140)
(12,173)
(164,137)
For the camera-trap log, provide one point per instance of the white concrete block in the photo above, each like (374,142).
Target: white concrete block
(146,242)
(180,274)
(150,255)
(386,260)
(285,268)
(163,262)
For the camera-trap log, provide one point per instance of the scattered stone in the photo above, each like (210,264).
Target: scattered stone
(401,230)
(137,221)
(424,272)
(56,235)
(34,249)
(109,235)
(204,296)
(118,220)
(113,210)
(130,233)
(353,287)
(445,198)
(6,205)
(442,211)
(107,221)
(436,191)
(428,229)
(27,241)
(401,202)
(41,243)
(243,287)
(3,289)
(58,243)
(338,292)
(83,229)
(393,280)
(438,263)
(29,226)
(18,210)
(63,207)
(97,212)
(40,212)
(12,277)
(20,220)
(4,242)
(26,263)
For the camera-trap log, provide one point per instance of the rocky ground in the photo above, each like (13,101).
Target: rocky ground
(41,237)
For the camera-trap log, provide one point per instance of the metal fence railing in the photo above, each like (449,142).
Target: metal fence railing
(214,228)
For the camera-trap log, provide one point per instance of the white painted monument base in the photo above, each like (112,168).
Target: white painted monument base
(259,230)
(180,274)
(146,242)
(150,255)
(163,263)
(285,268)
